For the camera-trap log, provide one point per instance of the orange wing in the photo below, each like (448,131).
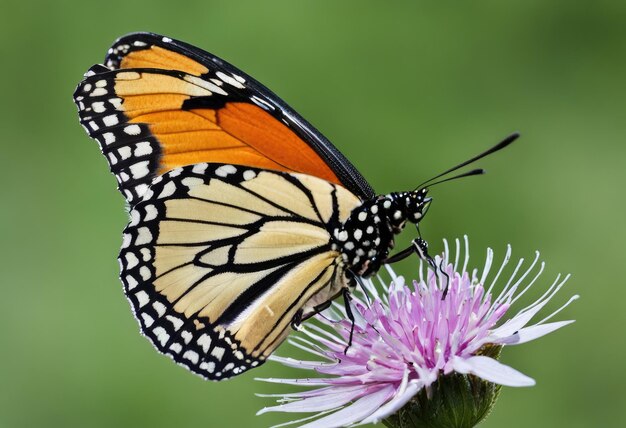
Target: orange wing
(161,104)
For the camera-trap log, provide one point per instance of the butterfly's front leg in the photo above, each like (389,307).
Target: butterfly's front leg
(299,317)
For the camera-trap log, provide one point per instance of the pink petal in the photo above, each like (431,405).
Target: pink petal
(531,333)
(491,370)
(318,404)
(395,404)
(357,411)
(292,362)
(518,321)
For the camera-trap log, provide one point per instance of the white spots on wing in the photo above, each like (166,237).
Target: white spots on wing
(239,78)
(145,254)
(199,168)
(176,348)
(124,152)
(218,82)
(151,213)
(144,236)
(140,169)
(205,341)
(218,352)
(192,181)
(397,215)
(98,107)
(166,40)
(116,103)
(187,336)
(168,190)
(161,335)
(230,80)
(145,273)
(142,298)
(349,245)
(362,216)
(148,194)
(142,149)
(249,174)
(387,203)
(128,194)
(132,129)
(110,120)
(140,189)
(139,43)
(209,367)
(369,230)
(134,218)
(112,158)
(87,87)
(98,92)
(258,101)
(175,172)
(225,170)
(176,322)
(109,138)
(101,83)
(159,308)
(211,87)
(374,209)
(126,240)
(93,125)
(147,319)
(131,260)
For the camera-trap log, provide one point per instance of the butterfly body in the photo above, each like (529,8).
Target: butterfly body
(244,219)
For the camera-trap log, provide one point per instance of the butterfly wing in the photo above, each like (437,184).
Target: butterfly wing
(217,260)
(159,104)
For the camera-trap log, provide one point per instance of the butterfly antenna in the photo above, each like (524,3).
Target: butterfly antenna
(502,144)
(477,171)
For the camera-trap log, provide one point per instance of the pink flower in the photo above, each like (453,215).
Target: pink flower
(408,337)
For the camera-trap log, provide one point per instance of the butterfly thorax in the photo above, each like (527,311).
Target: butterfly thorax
(367,236)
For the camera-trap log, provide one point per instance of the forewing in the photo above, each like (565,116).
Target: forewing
(160,104)
(217,260)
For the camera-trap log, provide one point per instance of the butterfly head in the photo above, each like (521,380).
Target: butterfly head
(408,206)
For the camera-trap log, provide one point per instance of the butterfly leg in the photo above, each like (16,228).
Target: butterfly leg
(299,317)
(346,300)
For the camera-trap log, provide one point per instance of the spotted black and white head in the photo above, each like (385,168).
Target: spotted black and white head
(367,236)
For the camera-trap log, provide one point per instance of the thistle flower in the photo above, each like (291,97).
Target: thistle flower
(415,358)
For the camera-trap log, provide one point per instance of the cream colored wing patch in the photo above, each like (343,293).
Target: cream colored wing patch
(218,259)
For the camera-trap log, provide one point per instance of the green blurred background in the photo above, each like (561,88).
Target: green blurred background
(405,89)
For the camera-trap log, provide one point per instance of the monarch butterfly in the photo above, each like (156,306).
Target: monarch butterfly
(244,219)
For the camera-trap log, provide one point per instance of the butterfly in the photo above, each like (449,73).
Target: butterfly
(244,219)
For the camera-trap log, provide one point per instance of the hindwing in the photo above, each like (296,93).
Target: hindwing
(217,259)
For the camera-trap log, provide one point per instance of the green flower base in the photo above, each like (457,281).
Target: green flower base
(453,401)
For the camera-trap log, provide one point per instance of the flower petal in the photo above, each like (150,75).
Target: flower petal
(531,333)
(357,411)
(395,404)
(329,401)
(491,370)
